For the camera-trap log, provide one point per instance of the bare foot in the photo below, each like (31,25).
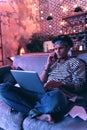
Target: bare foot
(46,117)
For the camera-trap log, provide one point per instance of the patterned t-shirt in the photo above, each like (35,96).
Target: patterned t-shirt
(70,71)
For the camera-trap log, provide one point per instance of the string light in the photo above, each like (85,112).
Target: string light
(61,31)
(41,12)
(50,26)
(50,14)
(74,30)
(65,9)
(34,4)
(62,22)
(75,6)
(42,18)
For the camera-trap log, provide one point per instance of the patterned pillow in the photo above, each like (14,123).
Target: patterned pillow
(83,57)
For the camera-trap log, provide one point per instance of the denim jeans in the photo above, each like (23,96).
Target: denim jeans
(24,100)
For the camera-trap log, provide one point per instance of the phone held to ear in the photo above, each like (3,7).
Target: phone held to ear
(55,56)
(53,59)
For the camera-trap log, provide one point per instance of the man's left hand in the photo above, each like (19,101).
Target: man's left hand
(52,85)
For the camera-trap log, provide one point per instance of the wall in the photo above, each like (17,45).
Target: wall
(57,9)
(19,19)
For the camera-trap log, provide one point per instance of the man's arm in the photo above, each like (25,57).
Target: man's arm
(78,79)
(51,60)
(44,74)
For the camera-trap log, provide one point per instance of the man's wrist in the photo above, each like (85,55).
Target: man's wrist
(46,68)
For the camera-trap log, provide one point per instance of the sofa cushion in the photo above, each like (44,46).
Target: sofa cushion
(68,123)
(33,62)
(9,120)
(83,57)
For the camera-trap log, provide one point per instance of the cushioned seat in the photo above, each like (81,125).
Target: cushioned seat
(10,121)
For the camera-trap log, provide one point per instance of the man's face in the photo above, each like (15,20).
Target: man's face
(61,50)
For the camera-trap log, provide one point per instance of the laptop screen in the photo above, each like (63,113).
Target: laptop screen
(28,80)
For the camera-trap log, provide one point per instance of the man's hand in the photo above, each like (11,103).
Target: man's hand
(52,85)
(51,58)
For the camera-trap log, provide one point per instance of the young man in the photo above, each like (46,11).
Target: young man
(63,78)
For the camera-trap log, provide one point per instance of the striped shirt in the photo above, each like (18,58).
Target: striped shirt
(70,71)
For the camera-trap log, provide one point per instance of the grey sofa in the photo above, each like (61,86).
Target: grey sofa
(16,121)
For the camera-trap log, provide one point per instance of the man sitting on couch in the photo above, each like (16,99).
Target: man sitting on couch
(63,78)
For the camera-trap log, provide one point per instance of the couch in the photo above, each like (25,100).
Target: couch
(16,121)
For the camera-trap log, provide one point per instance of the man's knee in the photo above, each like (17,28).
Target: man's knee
(4,87)
(51,101)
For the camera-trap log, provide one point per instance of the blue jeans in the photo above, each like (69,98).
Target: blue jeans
(23,100)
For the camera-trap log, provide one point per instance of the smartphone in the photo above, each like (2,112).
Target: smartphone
(55,56)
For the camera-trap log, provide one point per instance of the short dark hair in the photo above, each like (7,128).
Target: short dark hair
(64,39)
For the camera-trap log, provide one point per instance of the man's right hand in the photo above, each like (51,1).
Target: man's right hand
(51,60)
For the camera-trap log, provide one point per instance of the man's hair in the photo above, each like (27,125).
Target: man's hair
(63,39)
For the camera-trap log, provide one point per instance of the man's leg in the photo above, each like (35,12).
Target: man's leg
(17,98)
(53,101)
(50,107)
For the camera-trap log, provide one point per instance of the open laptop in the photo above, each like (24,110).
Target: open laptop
(28,80)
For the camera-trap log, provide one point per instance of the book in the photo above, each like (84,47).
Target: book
(78,111)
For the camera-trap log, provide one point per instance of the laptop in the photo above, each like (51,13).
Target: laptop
(28,80)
